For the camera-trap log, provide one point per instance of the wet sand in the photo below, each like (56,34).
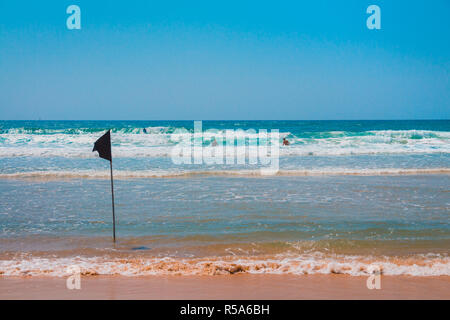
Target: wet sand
(226,287)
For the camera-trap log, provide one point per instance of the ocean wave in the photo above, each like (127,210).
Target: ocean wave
(159,142)
(81,131)
(143,174)
(409,134)
(316,263)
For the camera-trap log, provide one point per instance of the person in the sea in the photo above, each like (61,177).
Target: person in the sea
(285,142)
(144,130)
(214,142)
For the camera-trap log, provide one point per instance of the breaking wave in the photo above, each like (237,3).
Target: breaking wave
(316,263)
(146,174)
(159,141)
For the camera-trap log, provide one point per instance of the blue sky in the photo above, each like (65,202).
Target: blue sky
(225,60)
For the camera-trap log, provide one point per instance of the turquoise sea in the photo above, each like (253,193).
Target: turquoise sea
(348,194)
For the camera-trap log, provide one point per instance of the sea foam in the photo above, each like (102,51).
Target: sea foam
(159,141)
(299,265)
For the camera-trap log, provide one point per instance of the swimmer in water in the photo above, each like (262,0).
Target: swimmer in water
(144,130)
(214,142)
(285,142)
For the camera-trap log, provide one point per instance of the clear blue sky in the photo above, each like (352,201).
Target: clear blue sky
(225,60)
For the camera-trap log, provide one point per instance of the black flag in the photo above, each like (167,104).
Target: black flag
(103,146)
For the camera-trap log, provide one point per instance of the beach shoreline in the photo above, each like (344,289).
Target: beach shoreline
(348,197)
(236,287)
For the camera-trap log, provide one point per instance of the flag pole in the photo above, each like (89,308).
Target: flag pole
(103,147)
(112,195)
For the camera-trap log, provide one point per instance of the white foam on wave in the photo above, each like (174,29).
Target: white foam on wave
(159,143)
(299,265)
(143,174)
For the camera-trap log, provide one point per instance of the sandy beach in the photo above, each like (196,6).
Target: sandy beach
(227,287)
